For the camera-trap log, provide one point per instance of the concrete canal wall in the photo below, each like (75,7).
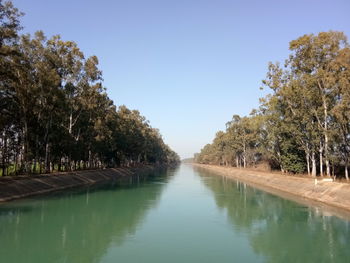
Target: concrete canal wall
(15,187)
(334,194)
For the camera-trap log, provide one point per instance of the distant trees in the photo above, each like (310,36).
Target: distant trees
(304,124)
(55,114)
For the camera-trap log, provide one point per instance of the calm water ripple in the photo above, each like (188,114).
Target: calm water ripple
(183,215)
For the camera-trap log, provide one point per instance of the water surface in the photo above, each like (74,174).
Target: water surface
(182,215)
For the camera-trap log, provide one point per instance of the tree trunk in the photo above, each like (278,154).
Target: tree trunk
(90,159)
(70,123)
(36,159)
(25,147)
(46,161)
(66,164)
(3,151)
(139,158)
(308,163)
(244,156)
(313,161)
(321,159)
(16,162)
(346,171)
(328,170)
(47,146)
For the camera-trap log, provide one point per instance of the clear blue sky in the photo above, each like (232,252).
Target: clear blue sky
(187,65)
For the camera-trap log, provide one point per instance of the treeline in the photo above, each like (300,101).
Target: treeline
(303,125)
(55,114)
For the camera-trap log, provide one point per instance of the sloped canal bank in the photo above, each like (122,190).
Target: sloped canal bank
(181,215)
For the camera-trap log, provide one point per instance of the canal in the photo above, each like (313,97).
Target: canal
(182,215)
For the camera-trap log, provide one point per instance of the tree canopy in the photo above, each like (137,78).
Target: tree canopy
(55,113)
(303,125)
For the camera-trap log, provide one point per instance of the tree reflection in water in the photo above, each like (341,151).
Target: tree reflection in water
(76,227)
(279,229)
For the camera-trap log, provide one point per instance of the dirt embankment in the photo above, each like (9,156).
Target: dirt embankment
(330,193)
(15,187)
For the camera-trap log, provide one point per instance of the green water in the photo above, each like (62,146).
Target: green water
(184,215)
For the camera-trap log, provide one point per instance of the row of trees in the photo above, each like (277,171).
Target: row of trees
(304,124)
(55,113)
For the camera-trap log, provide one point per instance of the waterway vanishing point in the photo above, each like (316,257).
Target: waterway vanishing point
(181,215)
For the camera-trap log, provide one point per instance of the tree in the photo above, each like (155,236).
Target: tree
(305,120)
(55,112)
(9,27)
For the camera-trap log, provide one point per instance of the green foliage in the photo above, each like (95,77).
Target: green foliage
(292,159)
(305,123)
(293,163)
(55,113)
